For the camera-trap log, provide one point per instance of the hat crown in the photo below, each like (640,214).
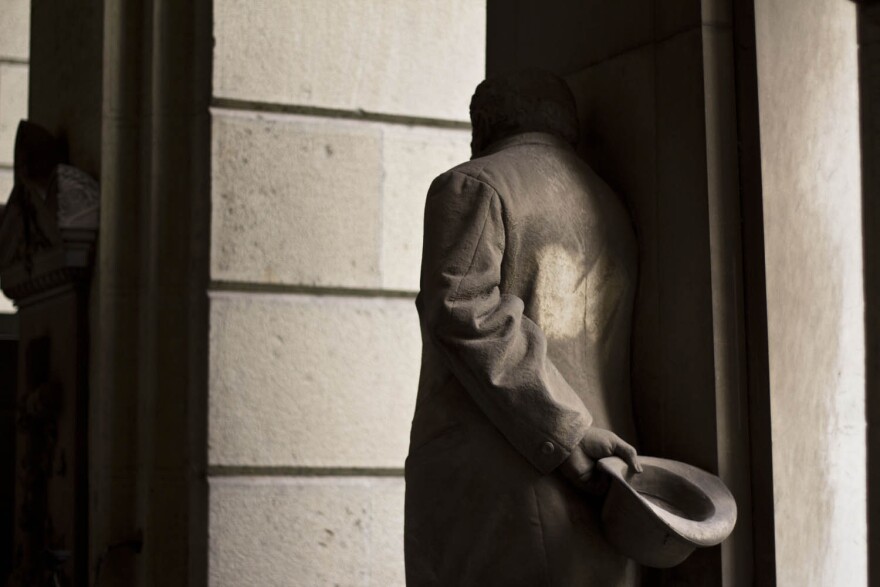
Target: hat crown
(671,493)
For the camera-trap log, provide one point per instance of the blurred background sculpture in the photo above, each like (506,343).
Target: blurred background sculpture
(48,231)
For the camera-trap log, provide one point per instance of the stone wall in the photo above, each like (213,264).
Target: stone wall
(329,121)
(14,50)
(809,111)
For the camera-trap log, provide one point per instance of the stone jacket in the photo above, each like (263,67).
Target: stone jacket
(528,275)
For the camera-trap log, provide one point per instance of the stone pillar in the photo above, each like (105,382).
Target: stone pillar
(150,370)
(808,82)
(126,83)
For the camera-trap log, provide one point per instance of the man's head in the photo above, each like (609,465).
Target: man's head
(530,100)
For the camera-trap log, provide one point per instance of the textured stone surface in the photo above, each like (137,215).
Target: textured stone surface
(395,56)
(412,157)
(810,160)
(295,200)
(312,201)
(15,28)
(311,381)
(13,106)
(274,531)
(386,563)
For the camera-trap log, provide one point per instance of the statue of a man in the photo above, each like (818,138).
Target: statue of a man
(527,284)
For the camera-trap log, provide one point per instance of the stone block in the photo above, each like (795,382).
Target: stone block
(274,531)
(311,381)
(15,29)
(386,564)
(412,157)
(313,201)
(295,200)
(396,56)
(13,106)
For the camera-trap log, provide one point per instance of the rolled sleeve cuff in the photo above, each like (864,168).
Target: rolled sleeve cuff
(549,452)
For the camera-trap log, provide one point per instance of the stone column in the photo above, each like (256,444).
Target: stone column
(149,398)
(808,90)
(126,83)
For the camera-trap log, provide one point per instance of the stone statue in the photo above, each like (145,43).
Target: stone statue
(527,285)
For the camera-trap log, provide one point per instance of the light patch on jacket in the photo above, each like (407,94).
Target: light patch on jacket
(606,287)
(571,297)
(560,292)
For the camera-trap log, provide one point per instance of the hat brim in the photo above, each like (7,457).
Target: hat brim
(693,504)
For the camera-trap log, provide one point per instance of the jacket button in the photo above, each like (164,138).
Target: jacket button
(547,448)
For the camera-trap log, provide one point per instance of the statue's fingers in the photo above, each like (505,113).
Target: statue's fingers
(628,454)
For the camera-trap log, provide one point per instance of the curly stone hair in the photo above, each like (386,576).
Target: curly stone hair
(530,100)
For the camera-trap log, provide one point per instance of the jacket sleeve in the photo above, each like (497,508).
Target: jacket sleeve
(495,351)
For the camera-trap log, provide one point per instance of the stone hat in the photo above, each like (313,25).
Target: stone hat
(658,517)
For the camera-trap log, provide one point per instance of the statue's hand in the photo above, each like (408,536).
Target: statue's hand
(596,444)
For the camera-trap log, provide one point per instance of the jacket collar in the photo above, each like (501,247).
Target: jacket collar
(525,138)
